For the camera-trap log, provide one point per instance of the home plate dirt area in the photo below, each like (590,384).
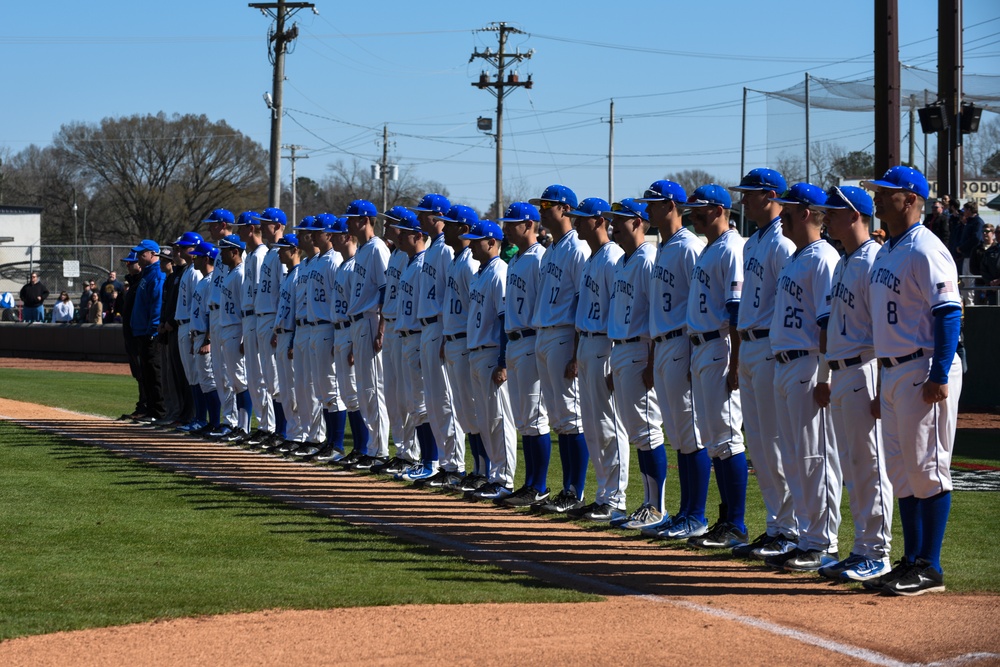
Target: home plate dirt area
(663,605)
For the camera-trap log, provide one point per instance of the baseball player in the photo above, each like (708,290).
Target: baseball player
(248,228)
(766,251)
(343,356)
(668,294)
(367,335)
(606,438)
(230,336)
(400,422)
(430,310)
(916,316)
(847,342)
(282,342)
(555,345)
(205,256)
(411,239)
(319,310)
(220,225)
(486,343)
(455,351)
(527,406)
(712,308)
(271,417)
(306,393)
(632,360)
(802,383)
(189,279)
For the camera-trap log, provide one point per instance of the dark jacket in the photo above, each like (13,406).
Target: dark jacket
(972,236)
(34,295)
(148,302)
(940,225)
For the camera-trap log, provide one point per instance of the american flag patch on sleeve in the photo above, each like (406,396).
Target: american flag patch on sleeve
(945,287)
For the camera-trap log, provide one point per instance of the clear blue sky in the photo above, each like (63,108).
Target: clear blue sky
(675,70)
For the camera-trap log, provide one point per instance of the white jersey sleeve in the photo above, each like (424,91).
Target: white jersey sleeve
(323,271)
(849,332)
(370,263)
(199,304)
(803,286)
(284,317)
(630,299)
(409,294)
(668,293)
(716,282)
(486,305)
(461,271)
(232,290)
(303,289)
(559,289)
(523,274)
(434,281)
(251,276)
(764,255)
(218,277)
(597,280)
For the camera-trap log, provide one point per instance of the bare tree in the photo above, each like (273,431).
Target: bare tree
(692,179)
(981,151)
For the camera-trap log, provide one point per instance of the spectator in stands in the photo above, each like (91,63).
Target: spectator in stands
(986,263)
(956,223)
(63,310)
(108,289)
(33,296)
(94,313)
(85,297)
(972,235)
(937,222)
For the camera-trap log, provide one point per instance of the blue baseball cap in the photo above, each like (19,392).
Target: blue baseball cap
(410,224)
(248,218)
(272,214)
(332,224)
(400,214)
(130,258)
(902,178)
(220,215)
(361,208)
(761,179)
(205,250)
(484,229)
(629,208)
(287,241)
(557,193)
(847,196)
(520,211)
(306,224)
(805,194)
(432,203)
(232,242)
(591,207)
(188,240)
(147,244)
(664,190)
(461,215)
(709,195)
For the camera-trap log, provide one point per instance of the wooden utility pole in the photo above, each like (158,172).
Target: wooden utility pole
(500,87)
(886,85)
(278,40)
(949,161)
(293,157)
(611,151)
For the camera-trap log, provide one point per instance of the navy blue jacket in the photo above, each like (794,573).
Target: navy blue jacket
(148,301)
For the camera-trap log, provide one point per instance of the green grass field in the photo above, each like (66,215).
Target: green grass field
(92,539)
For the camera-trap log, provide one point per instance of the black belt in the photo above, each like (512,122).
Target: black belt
(483,347)
(260,314)
(523,333)
(183,321)
(889,362)
(754,334)
(411,332)
(195,334)
(633,339)
(424,321)
(699,338)
(790,355)
(845,363)
(246,313)
(389,319)
(670,334)
(458,336)
(281,331)
(341,325)
(355,318)
(589,334)
(319,322)
(303,323)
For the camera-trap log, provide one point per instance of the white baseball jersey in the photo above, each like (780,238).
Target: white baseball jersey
(198,308)
(630,298)
(765,253)
(269,283)
(343,285)
(597,281)
(849,333)
(461,271)
(559,289)
(486,305)
(284,318)
(232,289)
(321,276)
(434,281)
(803,286)
(523,277)
(716,281)
(668,293)
(302,289)
(251,274)
(370,262)
(185,289)
(397,262)
(910,278)
(218,277)
(409,294)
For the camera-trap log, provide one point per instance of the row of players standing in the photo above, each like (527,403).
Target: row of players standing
(589,338)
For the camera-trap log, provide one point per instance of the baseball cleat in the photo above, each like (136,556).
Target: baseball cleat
(436,480)
(306,451)
(834,570)
(257,438)
(393,466)
(603,513)
(646,515)
(235,437)
(810,561)
(723,535)
(564,501)
(685,528)
(352,457)
(900,569)
(778,546)
(367,463)
(523,497)
(329,454)
(747,550)
(492,491)
(777,562)
(471,483)
(866,569)
(919,579)
(655,530)
(418,471)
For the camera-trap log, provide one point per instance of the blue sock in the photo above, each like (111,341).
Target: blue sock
(428,445)
(359,431)
(214,405)
(909,518)
(336,423)
(476,448)
(736,494)
(528,447)
(543,452)
(933,519)
(720,481)
(200,407)
(280,422)
(656,477)
(576,443)
(244,410)
(700,472)
(683,466)
(566,459)
(643,457)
